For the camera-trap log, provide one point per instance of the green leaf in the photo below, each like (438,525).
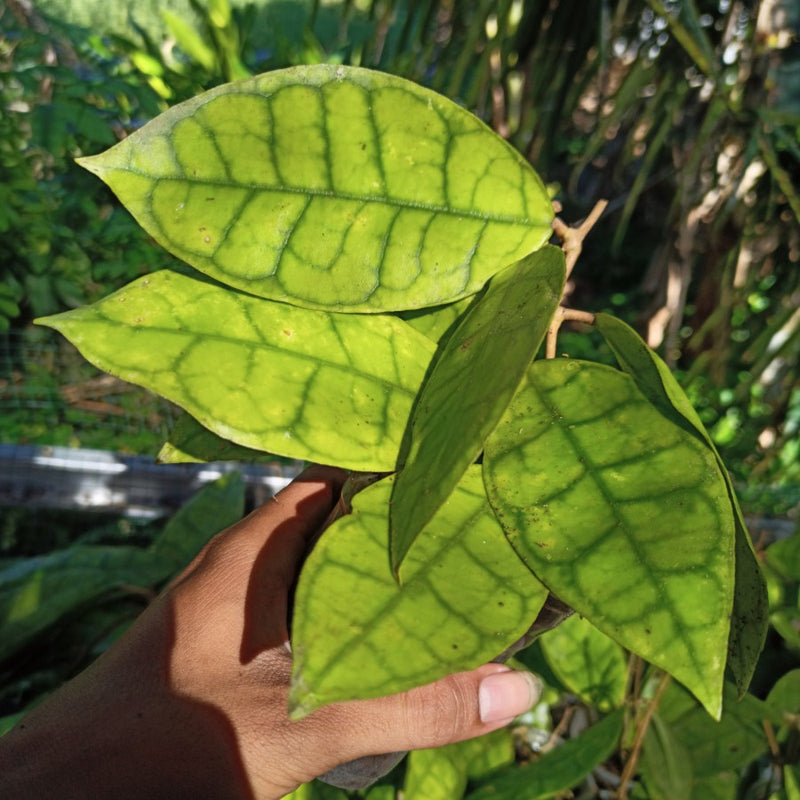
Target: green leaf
(784,697)
(722,786)
(749,620)
(435,775)
(470,386)
(465,597)
(215,507)
(331,388)
(622,514)
(784,557)
(558,770)
(587,662)
(737,739)
(665,764)
(331,187)
(36,593)
(190,442)
(442,774)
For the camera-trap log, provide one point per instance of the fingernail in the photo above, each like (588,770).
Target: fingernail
(504,695)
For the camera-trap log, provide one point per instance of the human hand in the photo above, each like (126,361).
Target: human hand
(192,701)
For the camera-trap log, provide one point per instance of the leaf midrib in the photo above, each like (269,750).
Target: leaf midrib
(334,194)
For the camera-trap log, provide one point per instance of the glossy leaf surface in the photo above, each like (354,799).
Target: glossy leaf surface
(656,382)
(558,770)
(465,597)
(622,514)
(587,662)
(470,386)
(331,388)
(331,187)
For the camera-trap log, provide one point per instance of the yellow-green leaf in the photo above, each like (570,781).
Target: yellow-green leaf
(749,618)
(465,597)
(624,515)
(331,388)
(331,187)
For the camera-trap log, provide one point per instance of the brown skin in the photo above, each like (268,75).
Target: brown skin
(192,701)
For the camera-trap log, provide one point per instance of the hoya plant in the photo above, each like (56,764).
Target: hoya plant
(375,288)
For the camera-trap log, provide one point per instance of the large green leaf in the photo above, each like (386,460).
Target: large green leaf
(465,597)
(621,513)
(332,388)
(331,187)
(587,662)
(559,769)
(749,620)
(470,386)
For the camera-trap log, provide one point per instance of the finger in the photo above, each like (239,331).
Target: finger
(458,707)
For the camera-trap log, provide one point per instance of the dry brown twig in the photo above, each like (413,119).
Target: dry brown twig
(572,245)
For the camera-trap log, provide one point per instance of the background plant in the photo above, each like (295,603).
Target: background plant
(598,136)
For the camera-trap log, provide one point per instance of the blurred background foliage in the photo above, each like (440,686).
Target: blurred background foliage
(684,114)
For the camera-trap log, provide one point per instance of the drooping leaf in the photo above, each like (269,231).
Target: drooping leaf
(750,604)
(470,386)
(665,764)
(332,388)
(190,442)
(331,187)
(465,597)
(587,662)
(713,746)
(621,513)
(557,771)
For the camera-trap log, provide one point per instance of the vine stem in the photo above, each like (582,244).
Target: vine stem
(572,245)
(641,732)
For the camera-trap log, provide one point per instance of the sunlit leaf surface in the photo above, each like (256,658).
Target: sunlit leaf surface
(624,515)
(470,386)
(465,597)
(331,187)
(749,619)
(331,388)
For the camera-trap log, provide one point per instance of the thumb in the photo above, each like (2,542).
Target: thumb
(457,707)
